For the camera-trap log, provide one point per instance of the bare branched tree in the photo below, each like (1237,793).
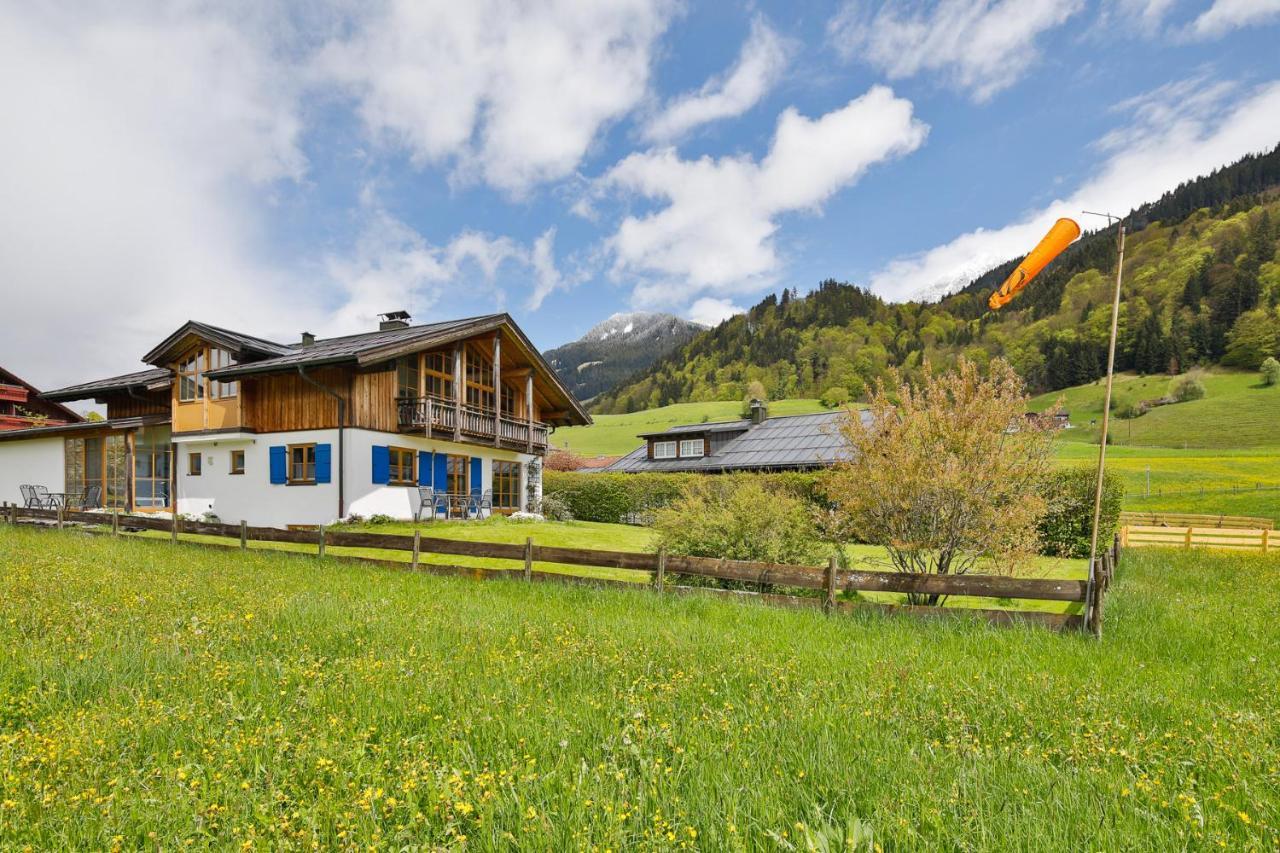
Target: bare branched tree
(946,473)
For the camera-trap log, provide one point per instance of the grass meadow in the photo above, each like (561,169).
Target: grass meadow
(165,696)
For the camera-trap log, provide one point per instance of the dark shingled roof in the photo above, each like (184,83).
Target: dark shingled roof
(83,427)
(793,441)
(86,390)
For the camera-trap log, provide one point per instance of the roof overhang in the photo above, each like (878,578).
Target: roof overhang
(84,428)
(147,380)
(191,331)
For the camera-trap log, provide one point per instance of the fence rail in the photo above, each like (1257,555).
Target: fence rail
(829,579)
(1230,538)
(1187,519)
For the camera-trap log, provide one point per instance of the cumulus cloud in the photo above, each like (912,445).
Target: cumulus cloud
(1177,133)
(714,229)
(981,46)
(760,63)
(512,94)
(131,141)
(1226,15)
(711,312)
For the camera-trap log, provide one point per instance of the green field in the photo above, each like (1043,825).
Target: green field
(164,697)
(615,435)
(1237,411)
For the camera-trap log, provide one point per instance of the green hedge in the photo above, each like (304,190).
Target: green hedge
(1065,529)
(627,498)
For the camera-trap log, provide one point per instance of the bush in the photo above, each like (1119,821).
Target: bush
(835,397)
(738,517)
(553,508)
(1270,371)
(1066,526)
(616,498)
(1189,387)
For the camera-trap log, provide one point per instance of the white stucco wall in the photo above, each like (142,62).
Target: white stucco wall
(252,496)
(36,461)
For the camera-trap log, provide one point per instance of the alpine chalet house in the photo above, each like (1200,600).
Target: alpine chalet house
(756,443)
(309,432)
(23,407)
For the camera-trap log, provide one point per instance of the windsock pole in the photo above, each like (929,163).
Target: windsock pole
(1106,402)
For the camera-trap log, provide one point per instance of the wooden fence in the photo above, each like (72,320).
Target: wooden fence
(830,580)
(1231,538)
(1186,519)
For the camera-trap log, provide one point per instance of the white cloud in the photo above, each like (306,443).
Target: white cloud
(983,46)
(712,312)
(130,145)
(1167,145)
(760,63)
(714,231)
(513,94)
(1227,15)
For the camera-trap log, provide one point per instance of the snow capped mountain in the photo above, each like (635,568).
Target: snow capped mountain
(617,347)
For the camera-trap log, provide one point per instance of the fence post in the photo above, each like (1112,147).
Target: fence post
(417,545)
(528,558)
(829,584)
(13,513)
(61,510)
(244,535)
(1266,537)
(1189,529)
(660,580)
(320,552)
(115,523)
(177,522)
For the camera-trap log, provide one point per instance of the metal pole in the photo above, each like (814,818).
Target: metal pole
(1106,401)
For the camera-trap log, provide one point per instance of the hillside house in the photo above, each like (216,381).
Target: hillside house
(756,443)
(308,432)
(23,407)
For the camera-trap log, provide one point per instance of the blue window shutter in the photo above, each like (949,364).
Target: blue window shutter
(324,462)
(381,464)
(442,471)
(476,476)
(424,468)
(279,464)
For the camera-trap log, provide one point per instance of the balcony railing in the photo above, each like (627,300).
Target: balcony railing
(438,416)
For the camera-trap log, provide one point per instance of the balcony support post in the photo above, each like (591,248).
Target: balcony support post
(459,385)
(497,388)
(528,411)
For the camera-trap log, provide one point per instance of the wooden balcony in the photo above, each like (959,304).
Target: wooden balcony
(13,393)
(436,417)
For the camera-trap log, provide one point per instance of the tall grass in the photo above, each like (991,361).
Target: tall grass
(161,696)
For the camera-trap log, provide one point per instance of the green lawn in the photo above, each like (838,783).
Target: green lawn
(165,697)
(1237,411)
(615,435)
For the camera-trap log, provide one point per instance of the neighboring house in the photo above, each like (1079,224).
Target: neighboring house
(757,443)
(306,433)
(23,407)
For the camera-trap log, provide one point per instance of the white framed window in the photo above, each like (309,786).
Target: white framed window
(691,447)
(664,450)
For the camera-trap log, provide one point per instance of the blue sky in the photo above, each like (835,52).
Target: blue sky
(276,168)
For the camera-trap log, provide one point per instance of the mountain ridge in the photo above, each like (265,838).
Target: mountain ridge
(616,348)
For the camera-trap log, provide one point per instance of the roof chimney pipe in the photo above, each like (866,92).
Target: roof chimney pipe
(308,339)
(393,320)
(759,411)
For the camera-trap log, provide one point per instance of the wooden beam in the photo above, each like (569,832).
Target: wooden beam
(528,410)
(497,388)
(459,389)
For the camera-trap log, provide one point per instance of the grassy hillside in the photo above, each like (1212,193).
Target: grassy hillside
(1237,411)
(615,435)
(166,697)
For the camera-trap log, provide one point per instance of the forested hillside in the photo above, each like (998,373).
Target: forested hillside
(1202,284)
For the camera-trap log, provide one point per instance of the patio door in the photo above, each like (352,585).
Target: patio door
(152,464)
(457,475)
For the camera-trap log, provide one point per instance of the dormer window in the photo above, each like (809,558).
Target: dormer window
(692,447)
(664,450)
(221,390)
(191,378)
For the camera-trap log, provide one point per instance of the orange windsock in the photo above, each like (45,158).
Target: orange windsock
(1060,236)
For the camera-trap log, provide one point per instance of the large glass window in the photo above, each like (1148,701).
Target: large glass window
(221,390)
(407,376)
(479,382)
(191,377)
(152,452)
(506,485)
(439,370)
(100,461)
(457,471)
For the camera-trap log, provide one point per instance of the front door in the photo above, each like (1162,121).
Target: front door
(458,490)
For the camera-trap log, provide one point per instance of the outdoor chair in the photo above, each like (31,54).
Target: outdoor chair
(429,498)
(44,500)
(30,499)
(481,504)
(92,498)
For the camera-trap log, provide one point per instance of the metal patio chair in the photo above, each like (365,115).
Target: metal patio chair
(92,498)
(44,500)
(429,497)
(481,504)
(29,499)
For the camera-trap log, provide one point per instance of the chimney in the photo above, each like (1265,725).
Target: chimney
(308,339)
(759,411)
(393,320)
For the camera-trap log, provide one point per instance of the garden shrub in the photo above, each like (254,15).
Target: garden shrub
(1189,387)
(1065,528)
(738,517)
(1270,371)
